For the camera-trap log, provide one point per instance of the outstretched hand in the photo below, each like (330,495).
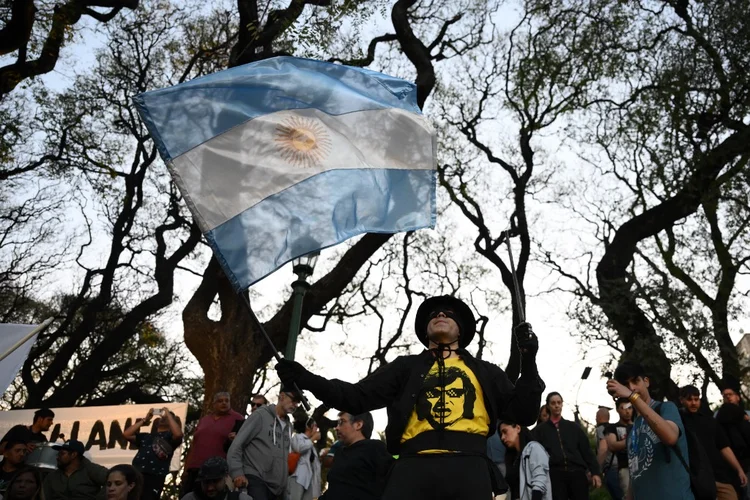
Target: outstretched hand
(289,371)
(528,343)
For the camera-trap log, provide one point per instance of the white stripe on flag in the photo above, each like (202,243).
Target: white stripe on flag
(234,171)
(10,334)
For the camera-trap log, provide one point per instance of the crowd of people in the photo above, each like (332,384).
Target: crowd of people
(458,428)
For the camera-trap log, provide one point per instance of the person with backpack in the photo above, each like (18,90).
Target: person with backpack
(304,479)
(726,469)
(657,444)
(616,437)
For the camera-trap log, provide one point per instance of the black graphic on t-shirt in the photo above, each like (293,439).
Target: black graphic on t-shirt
(444,402)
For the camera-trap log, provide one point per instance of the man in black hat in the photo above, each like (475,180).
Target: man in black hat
(76,477)
(442,404)
(258,455)
(212,485)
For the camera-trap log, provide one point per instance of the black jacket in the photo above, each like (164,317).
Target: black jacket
(397,384)
(567,445)
(731,418)
(359,471)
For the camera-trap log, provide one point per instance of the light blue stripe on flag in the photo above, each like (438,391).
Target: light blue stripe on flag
(286,156)
(319,212)
(182,117)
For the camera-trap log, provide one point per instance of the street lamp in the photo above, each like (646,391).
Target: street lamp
(303,267)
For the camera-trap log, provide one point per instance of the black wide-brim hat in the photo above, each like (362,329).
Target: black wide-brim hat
(467,323)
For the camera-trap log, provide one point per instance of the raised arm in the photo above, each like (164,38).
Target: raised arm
(174,427)
(522,400)
(376,391)
(134,429)
(666,430)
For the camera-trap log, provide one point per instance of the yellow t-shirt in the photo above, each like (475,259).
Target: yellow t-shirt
(462,408)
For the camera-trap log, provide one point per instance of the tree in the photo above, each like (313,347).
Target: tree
(149,368)
(110,164)
(670,128)
(29,30)
(230,349)
(531,80)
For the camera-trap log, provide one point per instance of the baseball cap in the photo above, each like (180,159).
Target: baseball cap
(213,468)
(71,445)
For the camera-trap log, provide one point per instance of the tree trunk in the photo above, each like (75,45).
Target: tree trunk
(229,350)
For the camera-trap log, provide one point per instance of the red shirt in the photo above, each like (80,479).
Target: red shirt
(556,421)
(209,438)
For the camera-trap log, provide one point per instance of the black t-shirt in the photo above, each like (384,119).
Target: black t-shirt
(359,471)
(713,439)
(621,431)
(5,478)
(155,452)
(23,433)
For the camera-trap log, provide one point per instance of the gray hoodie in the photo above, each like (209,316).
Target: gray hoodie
(534,471)
(261,449)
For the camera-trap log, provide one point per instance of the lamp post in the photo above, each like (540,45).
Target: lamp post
(303,267)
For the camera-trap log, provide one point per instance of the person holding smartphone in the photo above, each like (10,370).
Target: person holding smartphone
(155,448)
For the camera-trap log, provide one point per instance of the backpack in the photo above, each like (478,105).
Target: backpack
(702,481)
(292,461)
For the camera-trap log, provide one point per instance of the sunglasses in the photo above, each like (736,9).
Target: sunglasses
(447,312)
(256,405)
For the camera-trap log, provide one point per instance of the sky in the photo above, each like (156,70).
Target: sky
(336,354)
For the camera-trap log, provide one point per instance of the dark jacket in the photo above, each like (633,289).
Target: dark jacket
(731,419)
(86,483)
(397,385)
(359,472)
(567,445)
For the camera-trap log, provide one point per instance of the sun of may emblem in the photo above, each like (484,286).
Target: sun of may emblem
(303,141)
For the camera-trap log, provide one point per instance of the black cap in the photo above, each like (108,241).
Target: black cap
(71,445)
(466,323)
(213,468)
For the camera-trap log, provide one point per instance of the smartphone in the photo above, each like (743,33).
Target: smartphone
(156,412)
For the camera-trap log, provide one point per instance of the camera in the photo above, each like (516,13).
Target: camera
(156,412)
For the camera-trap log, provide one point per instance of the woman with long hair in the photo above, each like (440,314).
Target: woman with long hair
(543,415)
(526,462)
(304,482)
(124,482)
(25,485)
(155,448)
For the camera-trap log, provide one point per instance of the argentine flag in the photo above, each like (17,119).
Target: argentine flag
(285,156)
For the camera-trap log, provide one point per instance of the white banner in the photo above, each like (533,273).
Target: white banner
(99,428)
(10,335)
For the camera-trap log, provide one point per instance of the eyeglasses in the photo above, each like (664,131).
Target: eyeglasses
(451,393)
(447,312)
(342,422)
(256,405)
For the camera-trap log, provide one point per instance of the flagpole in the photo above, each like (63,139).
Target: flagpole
(516,288)
(275,351)
(26,337)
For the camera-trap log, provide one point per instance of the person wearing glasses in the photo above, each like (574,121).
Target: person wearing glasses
(258,456)
(209,438)
(256,401)
(442,404)
(361,464)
